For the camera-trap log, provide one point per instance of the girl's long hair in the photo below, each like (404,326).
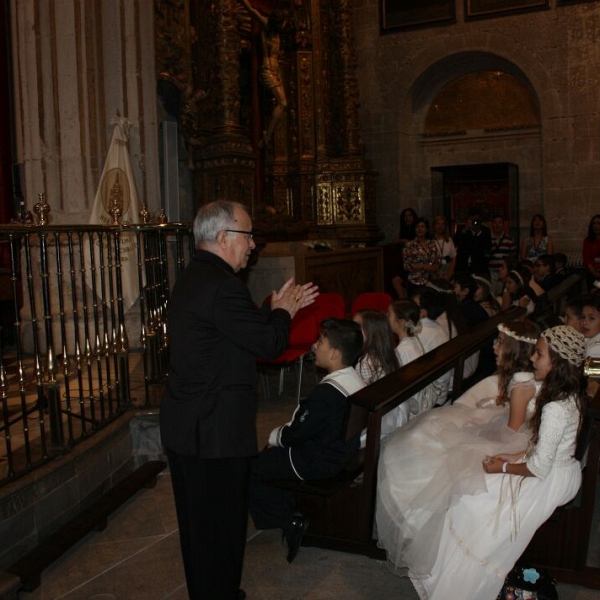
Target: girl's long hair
(522,281)
(408,311)
(563,381)
(379,343)
(516,355)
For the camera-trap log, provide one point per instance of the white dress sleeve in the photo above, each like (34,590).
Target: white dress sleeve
(521,379)
(541,457)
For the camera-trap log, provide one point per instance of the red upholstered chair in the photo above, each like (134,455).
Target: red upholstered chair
(304,331)
(329,304)
(372,300)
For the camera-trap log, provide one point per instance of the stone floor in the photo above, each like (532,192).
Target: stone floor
(137,556)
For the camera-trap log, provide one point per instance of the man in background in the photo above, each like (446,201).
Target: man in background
(503,246)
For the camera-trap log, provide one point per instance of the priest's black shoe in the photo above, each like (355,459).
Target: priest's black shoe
(293,533)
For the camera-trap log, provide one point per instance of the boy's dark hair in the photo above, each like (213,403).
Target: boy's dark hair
(433,302)
(592,300)
(344,335)
(575,304)
(547,260)
(560,258)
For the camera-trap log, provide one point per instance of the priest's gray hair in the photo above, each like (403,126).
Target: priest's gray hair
(214,217)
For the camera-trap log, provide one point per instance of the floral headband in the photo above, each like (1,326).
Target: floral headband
(521,338)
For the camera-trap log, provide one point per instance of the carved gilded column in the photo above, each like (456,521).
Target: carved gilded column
(349,83)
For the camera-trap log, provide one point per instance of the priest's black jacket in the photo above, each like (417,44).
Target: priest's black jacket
(215,332)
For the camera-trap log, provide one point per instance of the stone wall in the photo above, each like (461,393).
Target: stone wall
(556,51)
(36,505)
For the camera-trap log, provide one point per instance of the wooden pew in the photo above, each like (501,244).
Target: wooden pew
(341,509)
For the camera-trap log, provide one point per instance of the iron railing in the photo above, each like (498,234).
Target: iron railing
(70,346)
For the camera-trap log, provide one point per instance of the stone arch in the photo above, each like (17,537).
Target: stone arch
(437,75)
(417,155)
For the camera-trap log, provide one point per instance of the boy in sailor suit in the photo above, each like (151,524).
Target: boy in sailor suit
(311,445)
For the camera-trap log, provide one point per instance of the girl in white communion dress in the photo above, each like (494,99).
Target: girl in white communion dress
(469,545)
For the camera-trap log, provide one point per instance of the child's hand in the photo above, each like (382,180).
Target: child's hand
(493,464)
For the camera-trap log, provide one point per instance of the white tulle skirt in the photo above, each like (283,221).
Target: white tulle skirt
(435,502)
(484,535)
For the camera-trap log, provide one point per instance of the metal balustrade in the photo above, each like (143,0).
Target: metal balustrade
(69,345)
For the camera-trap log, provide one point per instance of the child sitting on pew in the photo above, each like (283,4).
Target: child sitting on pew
(590,324)
(311,445)
(404,320)
(378,356)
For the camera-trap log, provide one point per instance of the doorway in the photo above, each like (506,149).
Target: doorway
(493,188)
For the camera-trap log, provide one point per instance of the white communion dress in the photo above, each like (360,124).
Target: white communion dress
(454,529)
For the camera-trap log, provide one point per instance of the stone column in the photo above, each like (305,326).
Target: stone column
(75,65)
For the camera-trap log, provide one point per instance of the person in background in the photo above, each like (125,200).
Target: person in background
(485,297)
(591,252)
(473,245)
(208,412)
(572,313)
(436,328)
(562,270)
(465,288)
(538,241)
(311,445)
(544,271)
(508,264)
(420,257)
(378,356)
(406,234)
(503,247)
(517,291)
(408,222)
(445,247)
(404,320)
(590,324)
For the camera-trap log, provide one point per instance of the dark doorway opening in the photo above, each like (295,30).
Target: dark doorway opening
(493,188)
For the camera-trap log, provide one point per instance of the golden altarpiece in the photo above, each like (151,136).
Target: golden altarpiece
(309,179)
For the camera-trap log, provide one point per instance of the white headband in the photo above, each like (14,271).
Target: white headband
(521,338)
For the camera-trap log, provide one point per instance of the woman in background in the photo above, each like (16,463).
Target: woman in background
(420,257)
(408,221)
(445,247)
(538,242)
(591,252)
